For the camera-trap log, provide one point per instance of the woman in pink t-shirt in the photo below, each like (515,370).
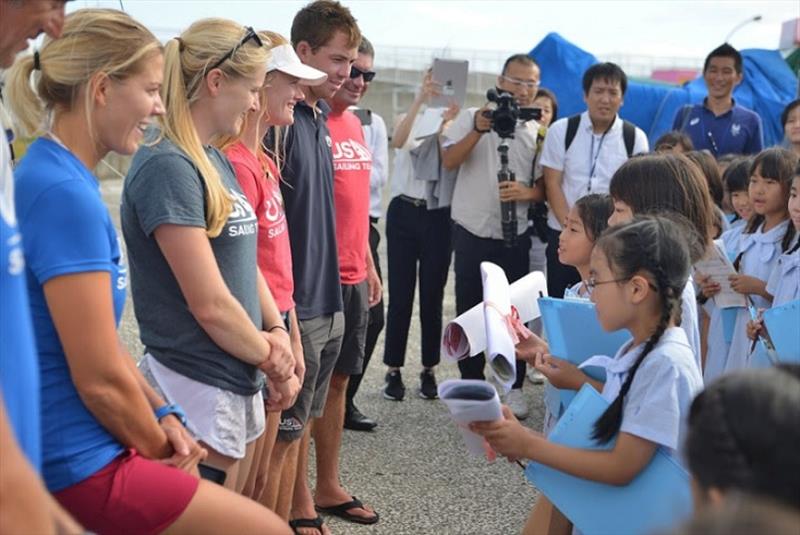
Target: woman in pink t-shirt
(259,178)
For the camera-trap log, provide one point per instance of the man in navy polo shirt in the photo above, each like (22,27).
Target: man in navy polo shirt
(718,124)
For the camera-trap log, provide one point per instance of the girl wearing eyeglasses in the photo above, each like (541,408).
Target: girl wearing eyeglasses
(116,454)
(637,274)
(207,319)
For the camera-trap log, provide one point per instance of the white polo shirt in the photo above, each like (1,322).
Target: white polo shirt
(476,197)
(590,162)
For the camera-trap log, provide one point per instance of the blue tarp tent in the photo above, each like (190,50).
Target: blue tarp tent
(768,86)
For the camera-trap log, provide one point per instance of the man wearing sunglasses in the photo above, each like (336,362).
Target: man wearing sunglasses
(471,147)
(373,130)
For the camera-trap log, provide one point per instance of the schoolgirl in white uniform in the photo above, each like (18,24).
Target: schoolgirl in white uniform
(721,322)
(638,272)
(587,219)
(768,234)
(668,183)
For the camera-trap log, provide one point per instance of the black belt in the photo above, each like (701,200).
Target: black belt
(413,200)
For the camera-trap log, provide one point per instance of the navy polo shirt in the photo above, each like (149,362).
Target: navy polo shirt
(307,189)
(737,131)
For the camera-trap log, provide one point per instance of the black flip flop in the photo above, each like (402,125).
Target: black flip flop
(341,511)
(315,523)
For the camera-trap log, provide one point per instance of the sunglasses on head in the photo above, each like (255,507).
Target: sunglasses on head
(355,72)
(251,34)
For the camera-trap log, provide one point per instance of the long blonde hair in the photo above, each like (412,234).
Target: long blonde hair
(93,41)
(186,62)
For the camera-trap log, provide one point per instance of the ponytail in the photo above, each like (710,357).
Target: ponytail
(186,62)
(26,106)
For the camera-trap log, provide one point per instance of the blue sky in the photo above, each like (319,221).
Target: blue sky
(649,27)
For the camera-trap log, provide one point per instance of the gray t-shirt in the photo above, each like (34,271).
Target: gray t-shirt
(164,187)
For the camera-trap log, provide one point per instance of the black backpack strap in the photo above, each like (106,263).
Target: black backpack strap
(629,136)
(572,129)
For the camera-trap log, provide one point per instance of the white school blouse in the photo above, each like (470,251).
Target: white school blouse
(689,322)
(759,255)
(784,281)
(656,407)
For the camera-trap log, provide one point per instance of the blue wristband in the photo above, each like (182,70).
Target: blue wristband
(173,409)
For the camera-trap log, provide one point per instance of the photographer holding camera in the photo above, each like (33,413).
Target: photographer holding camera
(471,146)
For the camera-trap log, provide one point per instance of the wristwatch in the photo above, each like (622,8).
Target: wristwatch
(173,409)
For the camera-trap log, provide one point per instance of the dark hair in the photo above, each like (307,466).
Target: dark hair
(610,72)
(525,59)
(366,47)
(546,93)
(656,246)
(744,432)
(778,164)
(594,210)
(737,175)
(708,166)
(673,138)
(667,183)
(318,22)
(725,51)
(743,513)
(787,110)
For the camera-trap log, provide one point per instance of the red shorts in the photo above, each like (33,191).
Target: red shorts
(130,495)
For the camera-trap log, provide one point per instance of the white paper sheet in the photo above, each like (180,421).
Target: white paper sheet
(465,411)
(717,265)
(465,336)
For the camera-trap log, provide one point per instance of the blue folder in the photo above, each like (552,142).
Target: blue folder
(729,322)
(574,334)
(658,499)
(783,326)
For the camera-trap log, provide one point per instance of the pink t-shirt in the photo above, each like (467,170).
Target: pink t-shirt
(259,179)
(352,165)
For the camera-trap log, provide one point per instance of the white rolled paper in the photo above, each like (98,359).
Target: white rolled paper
(470,401)
(465,336)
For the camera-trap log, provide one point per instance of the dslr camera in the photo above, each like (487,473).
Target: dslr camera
(505,116)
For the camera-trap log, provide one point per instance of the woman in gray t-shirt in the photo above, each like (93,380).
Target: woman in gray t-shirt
(208,322)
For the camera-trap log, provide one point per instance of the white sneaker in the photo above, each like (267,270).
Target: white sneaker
(535,376)
(516,402)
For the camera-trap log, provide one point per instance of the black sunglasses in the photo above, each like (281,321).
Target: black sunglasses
(251,34)
(355,72)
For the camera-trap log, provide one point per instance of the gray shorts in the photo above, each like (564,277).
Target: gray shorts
(322,339)
(356,317)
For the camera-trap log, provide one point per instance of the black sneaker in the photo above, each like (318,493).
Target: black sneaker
(427,385)
(394,388)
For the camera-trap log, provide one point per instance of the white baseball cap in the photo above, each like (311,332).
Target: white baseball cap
(284,58)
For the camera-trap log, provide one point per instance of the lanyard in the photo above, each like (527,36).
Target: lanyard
(594,156)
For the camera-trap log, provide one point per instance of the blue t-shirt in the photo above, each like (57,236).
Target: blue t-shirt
(737,131)
(66,229)
(19,374)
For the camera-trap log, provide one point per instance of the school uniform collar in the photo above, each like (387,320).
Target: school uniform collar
(764,241)
(617,368)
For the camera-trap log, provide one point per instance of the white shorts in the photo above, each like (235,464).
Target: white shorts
(223,420)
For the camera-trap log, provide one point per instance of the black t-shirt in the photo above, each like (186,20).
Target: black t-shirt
(307,190)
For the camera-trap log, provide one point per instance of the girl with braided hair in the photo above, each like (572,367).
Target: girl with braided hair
(743,437)
(637,273)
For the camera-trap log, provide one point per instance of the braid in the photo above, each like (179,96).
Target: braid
(608,425)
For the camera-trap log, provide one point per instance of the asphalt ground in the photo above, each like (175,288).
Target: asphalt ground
(413,469)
